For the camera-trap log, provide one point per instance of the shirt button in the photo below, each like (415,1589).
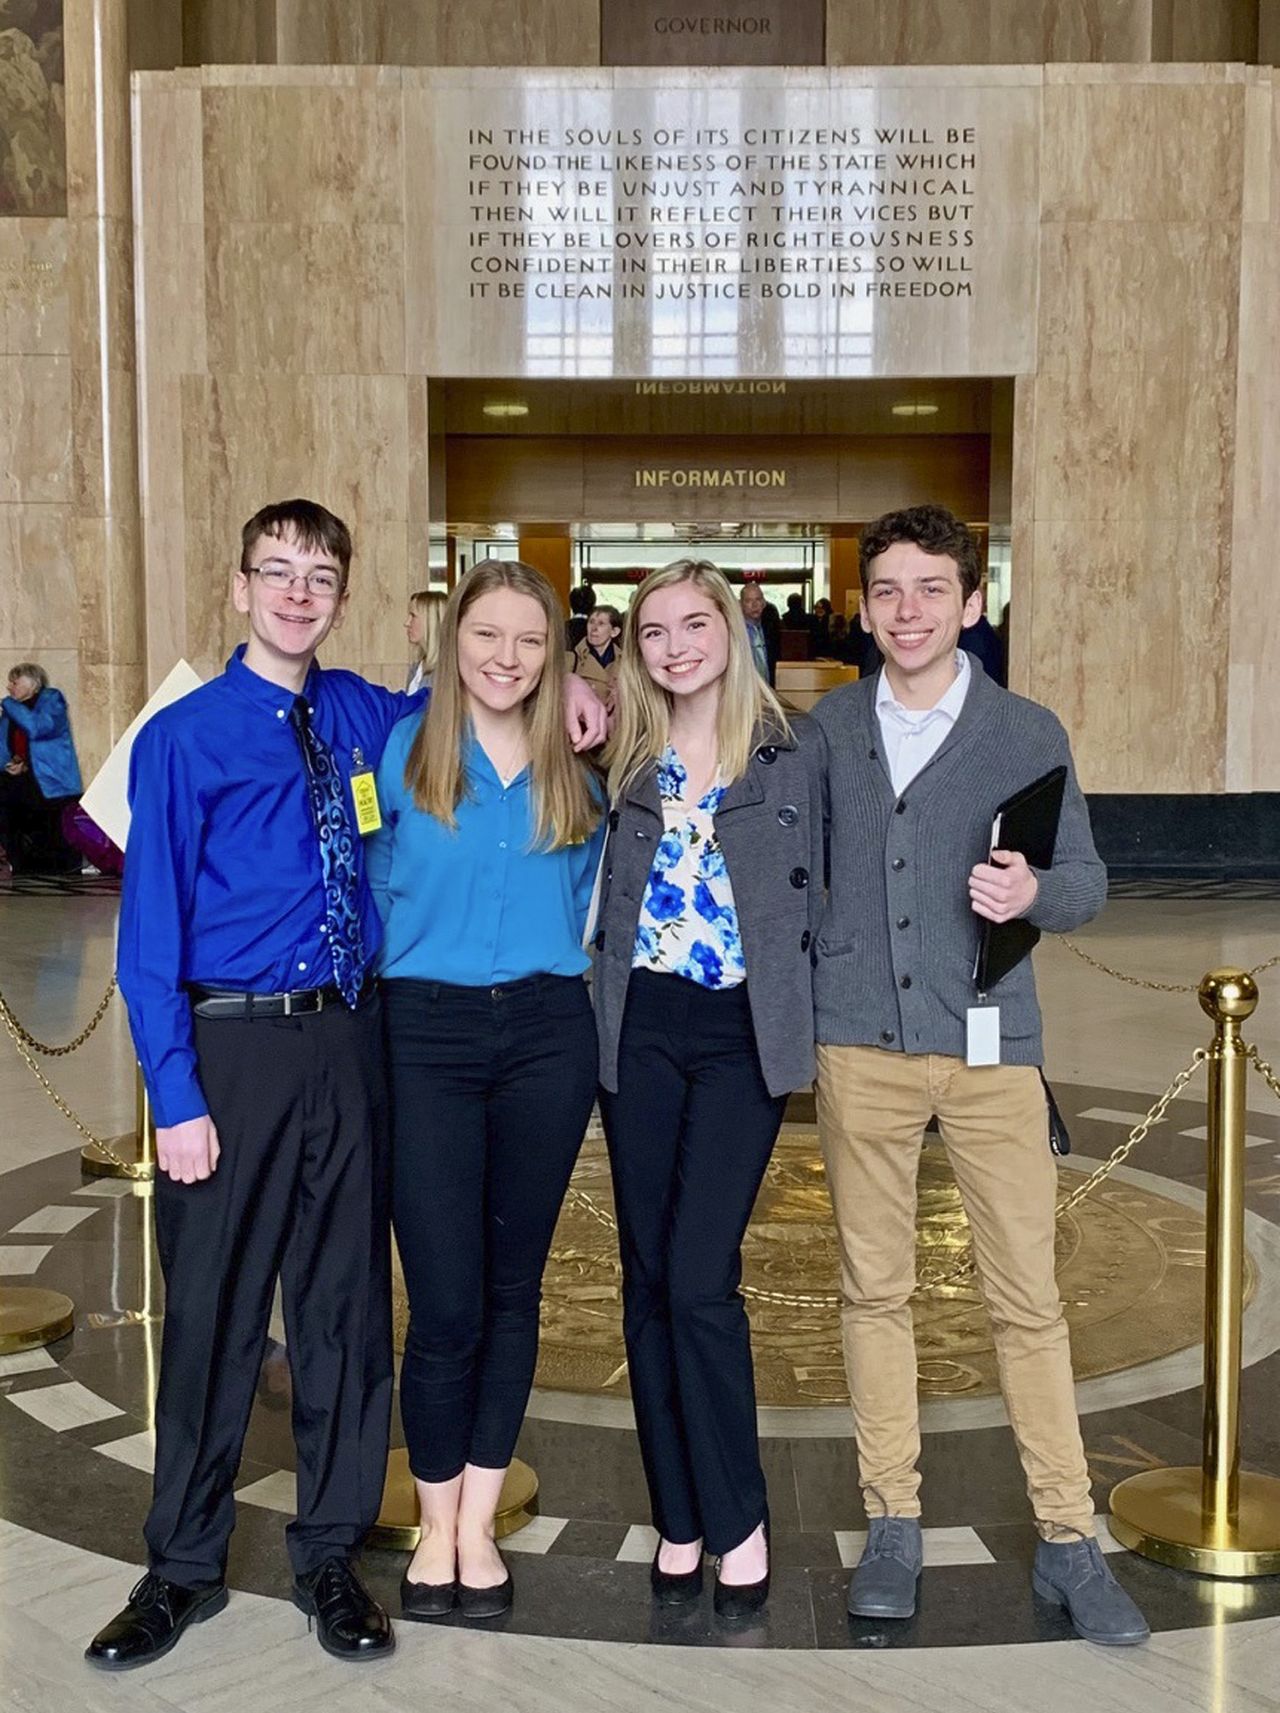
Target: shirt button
(302,966)
(279,713)
(502,844)
(324,927)
(898,863)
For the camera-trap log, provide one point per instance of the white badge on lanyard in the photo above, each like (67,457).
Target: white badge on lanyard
(982,1035)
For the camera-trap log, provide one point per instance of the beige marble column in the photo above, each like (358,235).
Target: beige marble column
(104,530)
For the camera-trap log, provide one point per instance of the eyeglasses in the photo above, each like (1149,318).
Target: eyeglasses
(324,585)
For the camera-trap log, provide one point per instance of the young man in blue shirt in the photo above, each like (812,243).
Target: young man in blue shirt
(247,934)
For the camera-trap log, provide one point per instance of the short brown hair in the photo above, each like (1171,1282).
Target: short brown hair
(310,525)
(933,529)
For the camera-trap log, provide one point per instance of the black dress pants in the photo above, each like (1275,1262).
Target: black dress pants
(690,1132)
(300,1193)
(492,1088)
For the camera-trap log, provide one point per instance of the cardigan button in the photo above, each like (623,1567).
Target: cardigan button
(788,815)
(767,753)
(905,982)
(805,940)
(799,878)
(898,863)
(904,921)
(900,807)
(886,1035)
(600,940)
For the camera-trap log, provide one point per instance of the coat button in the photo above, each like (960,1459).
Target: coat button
(898,863)
(905,982)
(767,753)
(641,835)
(600,940)
(805,940)
(904,921)
(608,874)
(900,807)
(788,815)
(613,820)
(799,877)
(886,1035)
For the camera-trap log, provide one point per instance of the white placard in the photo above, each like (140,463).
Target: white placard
(107,799)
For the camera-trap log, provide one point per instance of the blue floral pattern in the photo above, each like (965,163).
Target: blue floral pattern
(688,921)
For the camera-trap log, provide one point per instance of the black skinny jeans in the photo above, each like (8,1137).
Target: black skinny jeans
(690,1132)
(491,1090)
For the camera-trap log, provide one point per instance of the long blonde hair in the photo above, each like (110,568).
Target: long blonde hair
(747,704)
(565,810)
(429,605)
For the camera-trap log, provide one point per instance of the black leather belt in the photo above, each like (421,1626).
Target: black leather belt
(226,1002)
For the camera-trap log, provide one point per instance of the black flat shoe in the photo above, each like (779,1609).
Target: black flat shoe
(156,1615)
(738,1600)
(487,1602)
(427,1599)
(349,1621)
(674,1587)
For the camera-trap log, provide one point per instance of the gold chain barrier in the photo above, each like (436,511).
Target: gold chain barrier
(1144,982)
(128,1156)
(1217,1519)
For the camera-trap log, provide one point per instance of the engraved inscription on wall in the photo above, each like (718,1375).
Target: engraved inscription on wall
(809,232)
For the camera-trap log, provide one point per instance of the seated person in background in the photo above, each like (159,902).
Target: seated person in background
(41,773)
(595,659)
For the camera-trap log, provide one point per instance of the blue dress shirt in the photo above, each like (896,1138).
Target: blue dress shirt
(222,876)
(475,906)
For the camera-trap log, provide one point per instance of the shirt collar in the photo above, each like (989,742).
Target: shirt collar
(948,706)
(271,698)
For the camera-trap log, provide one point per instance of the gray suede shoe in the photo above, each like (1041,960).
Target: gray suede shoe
(884,1584)
(1074,1574)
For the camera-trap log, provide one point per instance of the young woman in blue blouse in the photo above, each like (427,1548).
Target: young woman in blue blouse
(713,883)
(483,872)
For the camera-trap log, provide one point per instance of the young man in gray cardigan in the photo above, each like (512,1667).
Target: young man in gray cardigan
(921,756)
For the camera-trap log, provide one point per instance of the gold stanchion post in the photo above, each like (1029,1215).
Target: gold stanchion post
(136,1151)
(1216,1520)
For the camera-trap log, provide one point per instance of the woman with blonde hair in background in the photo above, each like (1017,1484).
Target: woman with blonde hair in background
(422,627)
(483,872)
(713,883)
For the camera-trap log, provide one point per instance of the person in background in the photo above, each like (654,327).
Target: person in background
(422,627)
(595,659)
(763,631)
(41,774)
(822,616)
(582,603)
(797,619)
(982,640)
(712,888)
(483,872)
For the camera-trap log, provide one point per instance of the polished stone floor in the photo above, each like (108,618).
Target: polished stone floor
(75,1447)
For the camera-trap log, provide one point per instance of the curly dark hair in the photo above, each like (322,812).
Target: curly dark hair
(933,529)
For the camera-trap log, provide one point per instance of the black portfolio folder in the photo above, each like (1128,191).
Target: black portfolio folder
(1026,822)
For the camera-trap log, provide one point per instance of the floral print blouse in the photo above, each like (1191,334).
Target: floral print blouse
(688,921)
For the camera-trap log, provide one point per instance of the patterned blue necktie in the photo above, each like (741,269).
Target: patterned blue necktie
(337,855)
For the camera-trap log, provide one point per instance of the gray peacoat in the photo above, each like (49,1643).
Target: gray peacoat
(770,825)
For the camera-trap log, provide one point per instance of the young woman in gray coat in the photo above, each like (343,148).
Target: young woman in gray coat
(712,888)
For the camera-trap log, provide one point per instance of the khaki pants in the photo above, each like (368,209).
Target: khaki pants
(872,1110)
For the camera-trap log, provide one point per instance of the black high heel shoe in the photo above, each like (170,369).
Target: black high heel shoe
(739,1600)
(674,1587)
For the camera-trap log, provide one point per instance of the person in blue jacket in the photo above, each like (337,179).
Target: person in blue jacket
(40,771)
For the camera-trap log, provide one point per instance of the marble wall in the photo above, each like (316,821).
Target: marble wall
(280,292)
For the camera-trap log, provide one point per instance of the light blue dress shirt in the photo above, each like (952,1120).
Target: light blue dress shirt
(474,905)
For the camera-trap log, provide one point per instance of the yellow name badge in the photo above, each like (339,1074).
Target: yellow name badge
(364,793)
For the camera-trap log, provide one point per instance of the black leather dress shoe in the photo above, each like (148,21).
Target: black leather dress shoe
(349,1621)
(674,1587)
(487,1602)
(427,1599)
(156,1615)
